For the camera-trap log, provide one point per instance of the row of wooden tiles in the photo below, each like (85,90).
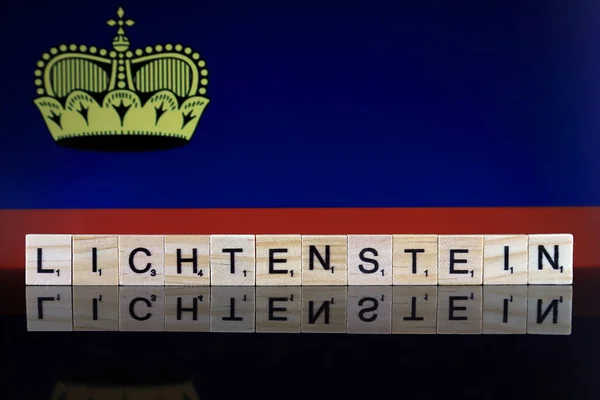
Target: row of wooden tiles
(275,260)
(515,309)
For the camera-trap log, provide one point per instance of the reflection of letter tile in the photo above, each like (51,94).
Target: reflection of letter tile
(324,260)
(505,309)
(283,254)
(95,260)
(48,260)
(232,260)
(96,308)
(459,310)
(505,259)
(549,310)
(278,309)
(187,260)
(187,309)
(460,260)
(142,308)
(49,308)
(551,259)
(414,310)
(370,260)
(232,309)
(370,309)
(324,309)
(415,259)
(141,260)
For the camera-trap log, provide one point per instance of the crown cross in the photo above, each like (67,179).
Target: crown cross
(120,42)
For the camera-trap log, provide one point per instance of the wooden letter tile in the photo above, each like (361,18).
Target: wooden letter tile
(141,260)
(324,260)
(142,308)
(324,309)
(48,260)
(370,309)
(460,260)
(95,260)
(187,309)
(49,308)
(415,259)
(414,309)
(459,310)
(187,260)
(551,259)
(96,308)
(278,260)
(505,309)
(549,310)
(232,309)
(232,260)
(370,260)
(278,309)
(505,259)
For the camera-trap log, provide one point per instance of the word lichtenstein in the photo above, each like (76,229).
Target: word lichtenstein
(295,260)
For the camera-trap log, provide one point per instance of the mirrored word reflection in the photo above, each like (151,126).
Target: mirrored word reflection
(542,310)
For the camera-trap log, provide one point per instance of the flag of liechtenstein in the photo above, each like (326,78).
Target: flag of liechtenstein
(307,116)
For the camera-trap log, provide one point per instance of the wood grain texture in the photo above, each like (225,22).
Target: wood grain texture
(414,309)
(232,309)
(369,310)
(142,308)
(505,309)
(370,260)
(459,310)
(324,309)
(187,260)
(549,310)
(141,260)
(324,260)
(49,308)
(187,309)
(415,259)
(278,260)
(505,259)
(232,260)
(48,259)
(95,260)
(96,308)
(460,260)
(551,259)
(278,309)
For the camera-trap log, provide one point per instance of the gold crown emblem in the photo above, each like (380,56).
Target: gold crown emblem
(121,99)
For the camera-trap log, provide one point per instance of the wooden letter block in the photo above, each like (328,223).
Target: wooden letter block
(549,310)
(278,260)
(48,260)
(370,260)
(187,309)
(459,310)
(96,308)
(415,259)
(505,259)
(232,309)
(187,260)
(324,260)
(232,260)
(460,260)
(324,309)
(49,308)
(141,308)
(95,260)
(505,309)
(414,310)
(551,259)
(278,309)
(141,260)
(370,309)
